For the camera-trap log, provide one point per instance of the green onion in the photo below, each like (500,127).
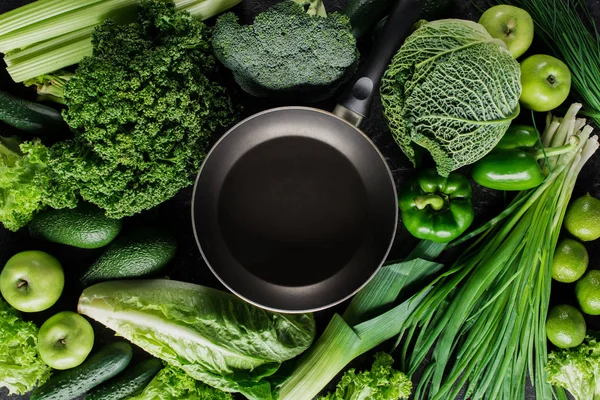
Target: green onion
(483,322)
(48,35)
(572,39)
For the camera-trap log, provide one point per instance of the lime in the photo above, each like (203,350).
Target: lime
(582,219)
(565,326)
(587,290)
(570,261)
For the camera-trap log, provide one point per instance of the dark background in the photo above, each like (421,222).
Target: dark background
(174,215)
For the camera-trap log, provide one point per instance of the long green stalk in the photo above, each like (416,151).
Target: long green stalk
(38,11)
(487,330)
(61,37)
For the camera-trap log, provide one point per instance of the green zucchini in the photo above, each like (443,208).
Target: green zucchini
(102,365)
(29,116)
(136,254)
(365,14)
(130,382)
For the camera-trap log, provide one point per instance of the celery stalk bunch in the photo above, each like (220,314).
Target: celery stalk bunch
(47,35)
(483,322)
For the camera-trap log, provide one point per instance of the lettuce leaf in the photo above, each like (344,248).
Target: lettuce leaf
(214,336)
(172,383)
(21,367)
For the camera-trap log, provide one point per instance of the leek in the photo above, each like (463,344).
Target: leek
(48,35)
(484,322)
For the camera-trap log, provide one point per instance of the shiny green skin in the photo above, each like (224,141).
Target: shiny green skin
(437,225)
(511,166)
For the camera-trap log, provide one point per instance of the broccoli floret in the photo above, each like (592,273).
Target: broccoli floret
(577,370)
(291,51)
(143,109)
(382,382)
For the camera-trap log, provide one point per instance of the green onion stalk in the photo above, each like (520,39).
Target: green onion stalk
(482,323)
(44,36)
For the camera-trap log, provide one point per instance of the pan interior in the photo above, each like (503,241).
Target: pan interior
(293,210)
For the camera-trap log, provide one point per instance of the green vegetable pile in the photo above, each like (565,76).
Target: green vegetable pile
(288,51)
(21,368)
(451,89)
(577,370)
(143,110)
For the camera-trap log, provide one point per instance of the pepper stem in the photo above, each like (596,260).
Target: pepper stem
(557,151)
(435,201)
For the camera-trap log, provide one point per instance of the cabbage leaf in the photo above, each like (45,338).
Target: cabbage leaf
(451,89)
(214,336)
(21,367)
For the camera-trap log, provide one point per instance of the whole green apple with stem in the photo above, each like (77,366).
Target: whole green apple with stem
(65,340)
(32,281)
(512,25)
(545,82)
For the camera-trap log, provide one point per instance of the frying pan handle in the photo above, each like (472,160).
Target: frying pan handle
(354,104)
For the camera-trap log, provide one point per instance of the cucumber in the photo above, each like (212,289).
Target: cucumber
(365,14)
(130,382)
(102,365)
(139,253)
(29,116)
(86,227)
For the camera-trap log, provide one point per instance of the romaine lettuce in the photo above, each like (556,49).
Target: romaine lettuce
(212,335)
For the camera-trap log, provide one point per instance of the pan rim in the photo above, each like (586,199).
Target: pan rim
(283,310)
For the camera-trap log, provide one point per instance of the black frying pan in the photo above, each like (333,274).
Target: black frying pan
(294,208)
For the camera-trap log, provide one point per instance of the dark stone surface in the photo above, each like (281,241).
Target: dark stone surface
(174,215)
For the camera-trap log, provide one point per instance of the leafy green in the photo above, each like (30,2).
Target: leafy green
(173,383)
(451,89)
(213,336)
(143,109)
(21,367)
(288,51)
(577,370)
(26,184)
(382,382)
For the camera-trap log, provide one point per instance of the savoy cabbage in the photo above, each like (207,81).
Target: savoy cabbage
(451,89)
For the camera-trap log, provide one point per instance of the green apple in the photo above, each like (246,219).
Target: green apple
(512,25)
(32,281)
(65,340)
(545,82)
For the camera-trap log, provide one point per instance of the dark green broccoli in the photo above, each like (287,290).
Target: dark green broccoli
(292,50)
(143,109)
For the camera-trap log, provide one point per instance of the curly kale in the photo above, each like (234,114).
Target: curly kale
(289,51)
(143,108)
(27,185)
(382,382)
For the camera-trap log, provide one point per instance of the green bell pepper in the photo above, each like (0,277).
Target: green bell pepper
(513,164)
(436,208)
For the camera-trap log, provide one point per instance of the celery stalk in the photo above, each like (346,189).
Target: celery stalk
(38,11)
(44,47)
(51,61)
(65,23)
(205,9)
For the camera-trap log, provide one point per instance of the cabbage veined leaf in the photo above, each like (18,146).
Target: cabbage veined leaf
(214,336)
(451,89)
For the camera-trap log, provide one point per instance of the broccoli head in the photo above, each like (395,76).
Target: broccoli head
(291,51)
(143,109)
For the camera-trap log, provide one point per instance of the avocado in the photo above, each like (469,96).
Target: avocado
(85,227)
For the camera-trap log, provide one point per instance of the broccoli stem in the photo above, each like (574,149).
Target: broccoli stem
(313,7)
